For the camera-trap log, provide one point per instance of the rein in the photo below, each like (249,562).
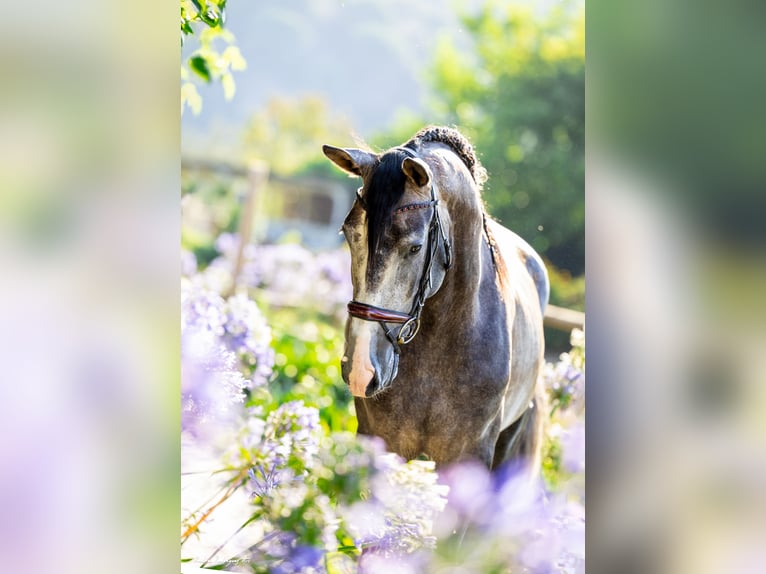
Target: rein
(410,322)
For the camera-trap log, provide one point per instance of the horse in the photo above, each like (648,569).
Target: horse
(444,337)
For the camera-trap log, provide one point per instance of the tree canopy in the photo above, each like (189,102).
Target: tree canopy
(521,98)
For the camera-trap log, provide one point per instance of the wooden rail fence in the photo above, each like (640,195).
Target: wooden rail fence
(563,319)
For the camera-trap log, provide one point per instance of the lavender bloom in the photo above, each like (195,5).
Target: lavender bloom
(570,524)
(201,309)
(282,553)
(188,263)
(237,321)
(334,267)
(573,448)
(217,336)
(565,380)
(470,491)
(249,336)
(302,559)
(398,518)
(211,383)
(289,274)
(292,435)
(227,244)
(263,481)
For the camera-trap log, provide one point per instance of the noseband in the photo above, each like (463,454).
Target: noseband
(410,322)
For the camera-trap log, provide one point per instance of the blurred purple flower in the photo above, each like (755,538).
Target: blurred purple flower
(470,490)
(564,382)
(265,479)
(399,514)
(211,383)
(569,521)
(201,309)
(292,432)
(227,244)
(188,263)
(289,274)
(573,448)
(301,559)
(248,335)
(237,321)
(282,553)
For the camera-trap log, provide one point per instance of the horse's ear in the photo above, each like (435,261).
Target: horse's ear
(416,171)
(351,160)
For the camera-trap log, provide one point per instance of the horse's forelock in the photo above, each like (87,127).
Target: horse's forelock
(384,191)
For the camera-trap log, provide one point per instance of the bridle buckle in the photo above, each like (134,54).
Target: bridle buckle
(408,331)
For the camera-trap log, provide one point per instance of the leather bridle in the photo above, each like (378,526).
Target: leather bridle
(410,322)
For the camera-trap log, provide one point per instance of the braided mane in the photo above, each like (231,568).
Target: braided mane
(459,144)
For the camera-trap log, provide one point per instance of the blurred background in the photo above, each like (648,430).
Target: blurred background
(675,192)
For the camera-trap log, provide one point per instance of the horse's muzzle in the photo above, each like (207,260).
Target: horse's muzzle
(380,380)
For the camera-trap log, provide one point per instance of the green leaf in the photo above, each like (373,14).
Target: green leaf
(198,64)
(210,17)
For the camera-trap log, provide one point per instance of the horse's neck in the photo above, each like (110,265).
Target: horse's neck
(458,301)
(457,304)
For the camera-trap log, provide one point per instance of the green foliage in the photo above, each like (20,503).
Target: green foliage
(307,348)
(216,57)
(521,99)
(552,471)
(288,134)
(405,125)
(568,292)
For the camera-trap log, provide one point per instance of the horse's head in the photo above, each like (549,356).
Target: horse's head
(398,236)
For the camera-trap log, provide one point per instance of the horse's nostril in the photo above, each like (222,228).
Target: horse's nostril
(372,386)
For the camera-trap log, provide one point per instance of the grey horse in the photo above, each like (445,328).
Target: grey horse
(444,340)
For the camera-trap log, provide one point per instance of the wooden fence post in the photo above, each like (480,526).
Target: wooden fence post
(257,176)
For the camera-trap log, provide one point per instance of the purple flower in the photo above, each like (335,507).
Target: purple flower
(227,244)
(292,433)
(201,309)
(238,323)
(289,274)
(302,557)
(284,554)
(264,480)
(188,263)
(573,448)
(398,517)
(247,334)
(211,384)
(470,490)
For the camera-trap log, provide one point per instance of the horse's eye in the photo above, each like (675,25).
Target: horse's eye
(415,248)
